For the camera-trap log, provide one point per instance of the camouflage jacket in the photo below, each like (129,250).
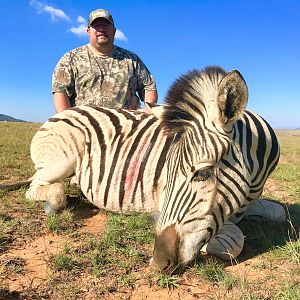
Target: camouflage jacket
(89,78)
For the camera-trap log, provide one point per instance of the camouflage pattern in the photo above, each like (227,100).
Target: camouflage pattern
(100,13)
(89,78)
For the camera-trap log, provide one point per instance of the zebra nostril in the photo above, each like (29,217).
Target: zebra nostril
(165,249)
(168,266)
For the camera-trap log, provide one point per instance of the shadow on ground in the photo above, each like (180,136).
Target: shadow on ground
(82,208)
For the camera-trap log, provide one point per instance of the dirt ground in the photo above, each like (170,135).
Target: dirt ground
(33,252)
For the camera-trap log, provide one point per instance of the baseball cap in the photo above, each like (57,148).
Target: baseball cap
(100,13)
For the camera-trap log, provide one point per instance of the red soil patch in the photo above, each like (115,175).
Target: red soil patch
(36,254)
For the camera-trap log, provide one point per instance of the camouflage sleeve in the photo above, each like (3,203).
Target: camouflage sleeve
(144,77)
(63,77)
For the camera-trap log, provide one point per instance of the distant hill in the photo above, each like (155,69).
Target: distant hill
(9,119)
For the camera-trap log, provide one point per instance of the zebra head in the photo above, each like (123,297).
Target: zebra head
(202,107)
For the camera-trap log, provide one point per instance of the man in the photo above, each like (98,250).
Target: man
(101,73)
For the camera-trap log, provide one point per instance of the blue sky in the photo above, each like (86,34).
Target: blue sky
(260,38)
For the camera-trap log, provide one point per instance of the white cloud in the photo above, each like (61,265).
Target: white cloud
(121,36)
(81,20)
(55,13)
(80,30)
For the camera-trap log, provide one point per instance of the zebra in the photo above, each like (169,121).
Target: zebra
(217,165)
(199,161)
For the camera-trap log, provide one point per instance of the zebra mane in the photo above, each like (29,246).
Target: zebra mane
(186,97)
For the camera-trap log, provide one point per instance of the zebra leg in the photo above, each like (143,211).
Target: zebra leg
(260,209)
(227,244)
(51,167)
(53,194)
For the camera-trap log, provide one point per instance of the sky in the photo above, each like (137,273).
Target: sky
(260,38)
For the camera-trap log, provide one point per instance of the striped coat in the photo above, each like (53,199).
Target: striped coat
(118,156)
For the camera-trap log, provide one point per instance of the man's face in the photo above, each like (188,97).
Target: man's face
(101,32)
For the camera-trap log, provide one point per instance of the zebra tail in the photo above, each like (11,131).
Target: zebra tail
(16,185)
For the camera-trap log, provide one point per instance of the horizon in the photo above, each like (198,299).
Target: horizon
(25,121)
(259,38)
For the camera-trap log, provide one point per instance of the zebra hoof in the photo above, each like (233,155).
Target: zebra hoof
(49,209)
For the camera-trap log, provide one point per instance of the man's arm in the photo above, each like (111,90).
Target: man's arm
(150,96)
(61,102)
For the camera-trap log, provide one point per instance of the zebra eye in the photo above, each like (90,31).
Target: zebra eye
(203,174)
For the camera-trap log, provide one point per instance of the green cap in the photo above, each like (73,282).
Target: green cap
(100,13)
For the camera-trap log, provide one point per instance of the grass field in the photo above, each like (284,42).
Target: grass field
(87,253)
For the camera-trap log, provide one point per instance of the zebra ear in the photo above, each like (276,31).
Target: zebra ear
(232,98)
(154,109)
(148,107)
